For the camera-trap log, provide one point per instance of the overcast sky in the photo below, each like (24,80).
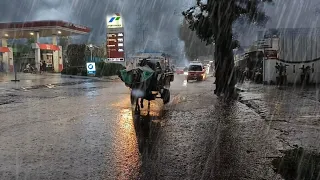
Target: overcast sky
(158,15)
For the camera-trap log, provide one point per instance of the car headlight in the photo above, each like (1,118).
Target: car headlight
(185,73)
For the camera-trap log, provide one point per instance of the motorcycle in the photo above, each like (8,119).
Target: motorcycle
(30,69)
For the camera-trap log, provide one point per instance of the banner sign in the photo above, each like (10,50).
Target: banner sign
(45,47)
(271,54)
(4,49)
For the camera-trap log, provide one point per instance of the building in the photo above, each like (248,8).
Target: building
(296,48)
(249,59)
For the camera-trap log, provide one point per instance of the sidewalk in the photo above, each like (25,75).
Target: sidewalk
(202,137)
(295,112)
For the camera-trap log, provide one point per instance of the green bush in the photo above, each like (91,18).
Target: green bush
(64,71)
(102,69)
(98,72)
(108,69)
(74,71)
(84,72)
(100,65)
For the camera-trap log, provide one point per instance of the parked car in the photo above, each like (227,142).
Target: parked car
(196,71)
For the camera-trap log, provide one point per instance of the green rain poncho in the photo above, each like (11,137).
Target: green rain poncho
(126,75)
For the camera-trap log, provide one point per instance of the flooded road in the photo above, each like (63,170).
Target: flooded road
(87,131)
(68,132)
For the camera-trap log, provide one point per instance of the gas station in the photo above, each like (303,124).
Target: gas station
(36,30)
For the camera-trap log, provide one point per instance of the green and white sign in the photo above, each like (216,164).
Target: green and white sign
(114,21)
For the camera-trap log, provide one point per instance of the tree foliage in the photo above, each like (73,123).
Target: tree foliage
(212,22)
(64,42)
(77,53)
(194,47)
(20,49)
(209,20)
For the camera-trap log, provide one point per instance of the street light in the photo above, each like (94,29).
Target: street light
(91,48)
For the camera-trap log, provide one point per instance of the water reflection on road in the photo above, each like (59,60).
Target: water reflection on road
(132,142)
(125,146)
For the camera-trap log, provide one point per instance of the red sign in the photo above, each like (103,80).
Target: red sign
(4,49)
(271,54)
(48,47)
(115,46)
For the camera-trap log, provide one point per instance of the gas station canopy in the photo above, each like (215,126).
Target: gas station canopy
(16,30)
(4,49)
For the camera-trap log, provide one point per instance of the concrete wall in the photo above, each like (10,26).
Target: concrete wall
(293,71)
(296,47)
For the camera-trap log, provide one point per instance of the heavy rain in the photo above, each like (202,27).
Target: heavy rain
(159,89)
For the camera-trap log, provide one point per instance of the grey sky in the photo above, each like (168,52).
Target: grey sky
(158,15)
(287,14)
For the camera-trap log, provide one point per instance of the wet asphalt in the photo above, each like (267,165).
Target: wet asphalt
(87,131)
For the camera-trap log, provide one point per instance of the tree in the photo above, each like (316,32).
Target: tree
(213,22)
(76,54)
(194,47)
(24,48)
(64,41)
(98,52)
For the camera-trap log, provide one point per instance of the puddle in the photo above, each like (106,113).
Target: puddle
(50,86)
(254,105)
(8,99)
(298,164)
(6,102)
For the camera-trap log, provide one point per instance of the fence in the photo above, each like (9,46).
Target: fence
(95,59)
